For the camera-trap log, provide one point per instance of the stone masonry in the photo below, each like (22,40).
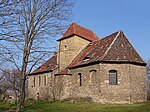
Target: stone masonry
(82,68)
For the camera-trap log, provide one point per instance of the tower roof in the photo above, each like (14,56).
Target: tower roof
(75,29)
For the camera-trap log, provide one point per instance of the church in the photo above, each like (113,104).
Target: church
(106,70)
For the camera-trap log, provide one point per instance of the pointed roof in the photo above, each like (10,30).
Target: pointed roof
(48,66)
(112,48)
(75,29)
(122,50)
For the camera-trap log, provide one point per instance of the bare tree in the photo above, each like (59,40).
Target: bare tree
(148,79)
(3,87)
(6,20)
(28,36)
(148,73)
(148,67)
(10,83)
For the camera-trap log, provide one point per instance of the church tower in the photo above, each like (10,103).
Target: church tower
(74,40)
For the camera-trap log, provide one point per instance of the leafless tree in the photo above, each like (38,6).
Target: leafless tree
(6,20)
(148,67)
(3,88)
(148,73)
(10,83)
(33,24)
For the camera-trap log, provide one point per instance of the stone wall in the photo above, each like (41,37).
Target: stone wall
(138,83)
(89,87)
(115,93)
(130,88)
(69,48)
(46,88)
(94,83)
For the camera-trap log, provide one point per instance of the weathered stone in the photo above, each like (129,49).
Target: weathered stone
(91,80)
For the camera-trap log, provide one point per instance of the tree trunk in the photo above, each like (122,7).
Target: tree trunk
(23,77)
(22,94)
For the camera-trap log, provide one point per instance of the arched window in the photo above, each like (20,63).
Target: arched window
(39,80)
(80,79)
(92,73)
(113,77)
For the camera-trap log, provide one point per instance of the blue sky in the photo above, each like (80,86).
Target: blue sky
(107,16)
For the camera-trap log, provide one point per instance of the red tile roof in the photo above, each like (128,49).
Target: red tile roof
(122,50)
(113,48)
(75,29)
(48,66)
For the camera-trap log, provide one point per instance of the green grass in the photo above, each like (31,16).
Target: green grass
(6,106)
(58,106)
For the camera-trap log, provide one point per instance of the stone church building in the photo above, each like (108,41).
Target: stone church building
(107,70)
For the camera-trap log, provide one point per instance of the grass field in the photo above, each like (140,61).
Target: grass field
(58,106)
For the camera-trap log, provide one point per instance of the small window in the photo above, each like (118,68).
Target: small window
(86,58)
(113,78)
(80,79)
(65,46)
(48,66)
(33,81)
(39,80)
(44,80)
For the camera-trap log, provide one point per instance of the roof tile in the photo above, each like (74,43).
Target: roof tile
(75,29)
(112,48)
(115,48)
(49,65)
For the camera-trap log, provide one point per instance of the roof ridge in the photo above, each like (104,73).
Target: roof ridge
(112,43)
(95,34)
(133,47)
